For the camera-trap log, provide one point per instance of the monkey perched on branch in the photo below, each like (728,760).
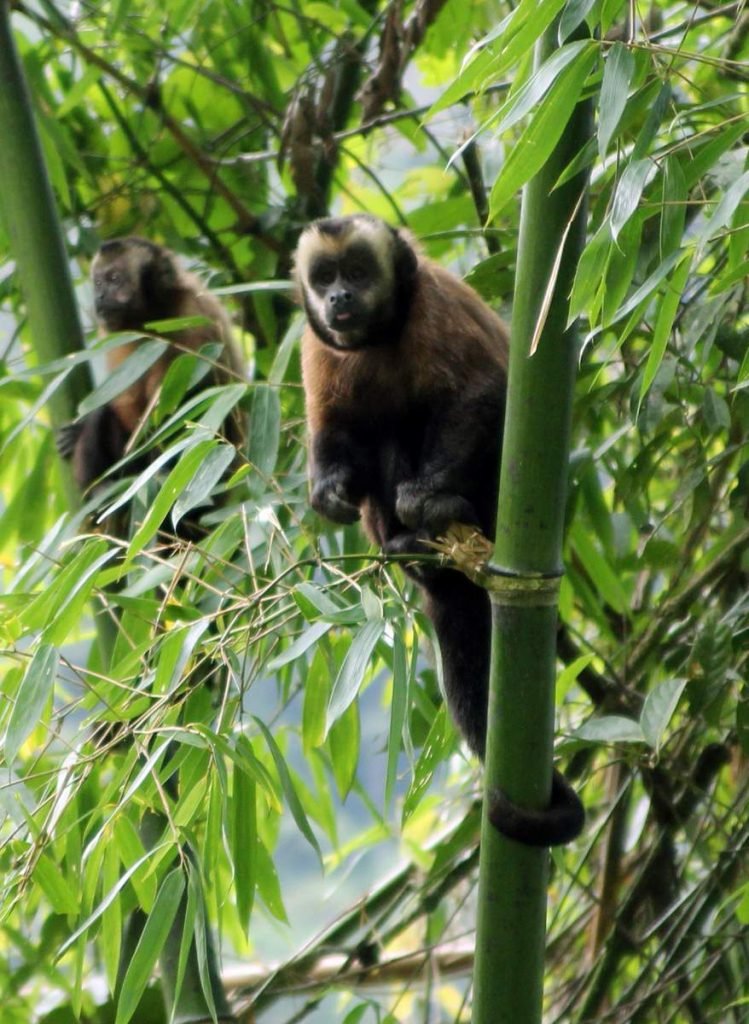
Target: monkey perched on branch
(404,371)
(137,282)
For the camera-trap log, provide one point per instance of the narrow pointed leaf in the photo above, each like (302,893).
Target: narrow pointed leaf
(32,696)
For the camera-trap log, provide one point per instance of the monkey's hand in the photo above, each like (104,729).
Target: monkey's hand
(331,497)
(66,438)
(421,507)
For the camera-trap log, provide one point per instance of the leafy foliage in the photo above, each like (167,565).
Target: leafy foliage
(280,721)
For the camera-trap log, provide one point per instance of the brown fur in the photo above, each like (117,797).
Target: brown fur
(405,372)
(431,360)
(137,282)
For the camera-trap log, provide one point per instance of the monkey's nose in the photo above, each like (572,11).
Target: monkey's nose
(340,301)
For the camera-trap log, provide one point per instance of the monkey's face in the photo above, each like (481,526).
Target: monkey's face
(347,289)
(345,267)
(117,293)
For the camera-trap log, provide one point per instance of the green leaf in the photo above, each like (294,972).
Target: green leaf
(243,809)
(176,481)
(610,729)
(658,710)
(716,412)
(287,784)
(628,193)
(725,209)
(351,674)
(674,206)
(303,642)
(55,886)
(617,77)
(533,91)
(174,653)
(144,355)
(265,429)
(664,322)
(198,490)
(268,885)
(430,756)
(343,740)
(398,706)
(574,13)
(603,576)
(540,137)
(33,694)
(151,943)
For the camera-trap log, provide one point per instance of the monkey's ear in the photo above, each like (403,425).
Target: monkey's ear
(405,259)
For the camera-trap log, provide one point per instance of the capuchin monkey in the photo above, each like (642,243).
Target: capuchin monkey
(135,283)
(405,374)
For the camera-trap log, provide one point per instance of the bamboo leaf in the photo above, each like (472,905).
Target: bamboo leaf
(658,710)
(55,886)
(398,706)
(573,15)
(544,131)
(265,429)
(351,675)
(176,481)
(287,784)
(343,738)
(128,372)
(431,754)
(150,945)
(174,653)
(618,71)
(31,699)
(610,729)
(628,193)
(303,642)
(664,322)
(197,491)
(244,838)
(725,209)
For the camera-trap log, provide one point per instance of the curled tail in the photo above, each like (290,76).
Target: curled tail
(461,613)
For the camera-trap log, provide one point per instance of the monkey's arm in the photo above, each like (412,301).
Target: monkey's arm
(458,466)
(94,444)
(339,467)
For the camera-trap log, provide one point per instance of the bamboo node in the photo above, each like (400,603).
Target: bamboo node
(470,551)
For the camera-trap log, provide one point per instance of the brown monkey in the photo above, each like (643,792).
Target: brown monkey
(136,282)
(405,376)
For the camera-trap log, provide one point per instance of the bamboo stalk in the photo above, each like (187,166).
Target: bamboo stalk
(508,978)
(29,213)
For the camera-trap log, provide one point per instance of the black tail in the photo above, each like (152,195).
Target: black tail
(461,613)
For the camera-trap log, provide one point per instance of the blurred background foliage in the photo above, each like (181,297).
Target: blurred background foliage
(282,661)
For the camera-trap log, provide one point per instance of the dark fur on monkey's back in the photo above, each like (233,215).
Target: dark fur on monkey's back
(406,408)
(137,282)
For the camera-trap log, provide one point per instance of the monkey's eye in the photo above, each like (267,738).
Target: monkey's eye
(113,277)
(357,273)
(323,274)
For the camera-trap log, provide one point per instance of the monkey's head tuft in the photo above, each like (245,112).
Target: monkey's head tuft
(354,275)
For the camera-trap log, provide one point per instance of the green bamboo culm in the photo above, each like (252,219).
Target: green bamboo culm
(29,214)
(511,927)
